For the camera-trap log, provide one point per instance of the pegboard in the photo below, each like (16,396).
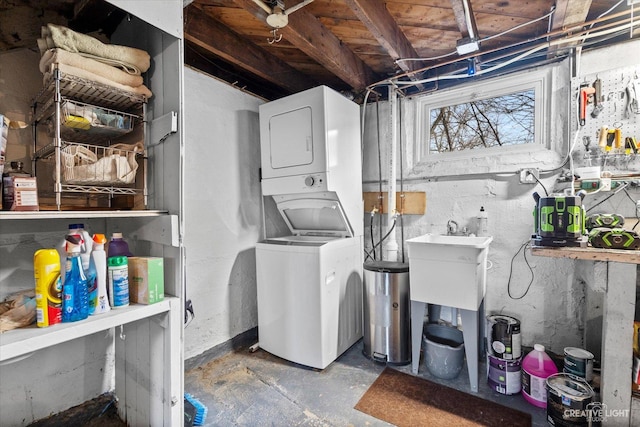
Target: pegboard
(619,111)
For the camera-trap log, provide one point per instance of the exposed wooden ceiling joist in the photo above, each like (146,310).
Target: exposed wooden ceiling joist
(213,36)
(375,16)
(308,34)
(570,13)
(464,18)
(347,45)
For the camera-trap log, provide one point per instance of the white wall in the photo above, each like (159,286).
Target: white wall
(223,216)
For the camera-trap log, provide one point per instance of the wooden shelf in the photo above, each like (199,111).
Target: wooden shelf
(20,343)
(589,254)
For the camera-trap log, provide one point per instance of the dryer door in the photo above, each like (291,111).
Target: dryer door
(291,139)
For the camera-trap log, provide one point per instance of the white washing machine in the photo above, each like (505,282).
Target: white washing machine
(309,298)
(310,289)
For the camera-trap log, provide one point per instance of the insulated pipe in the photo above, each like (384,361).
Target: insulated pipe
(391,246)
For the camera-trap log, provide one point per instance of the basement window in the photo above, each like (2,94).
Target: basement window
(484,118)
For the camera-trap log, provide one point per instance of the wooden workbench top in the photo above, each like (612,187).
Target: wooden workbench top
(589,254)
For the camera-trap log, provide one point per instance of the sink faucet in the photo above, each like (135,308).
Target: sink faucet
(452,227)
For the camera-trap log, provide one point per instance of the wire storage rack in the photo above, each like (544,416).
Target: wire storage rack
(86,121)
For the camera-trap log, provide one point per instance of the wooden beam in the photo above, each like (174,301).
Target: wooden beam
(570,13)
(375,16)
(462,20)
(307,33)
(211,35)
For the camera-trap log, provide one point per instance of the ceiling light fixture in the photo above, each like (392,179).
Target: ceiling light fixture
(279,16)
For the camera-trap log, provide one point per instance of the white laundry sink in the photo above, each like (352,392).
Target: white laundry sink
(448,270)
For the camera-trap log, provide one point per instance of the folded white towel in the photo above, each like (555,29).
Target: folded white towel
(79,72)
(62,56)
(67,39)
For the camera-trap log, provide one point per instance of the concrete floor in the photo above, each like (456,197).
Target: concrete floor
(241,388)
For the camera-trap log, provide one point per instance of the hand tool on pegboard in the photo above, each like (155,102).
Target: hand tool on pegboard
(586,93)
(602,137)
(597,98)
(614,139)
(630,145)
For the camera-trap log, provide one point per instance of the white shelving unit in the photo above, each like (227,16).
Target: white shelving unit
(24,341)
(139,355)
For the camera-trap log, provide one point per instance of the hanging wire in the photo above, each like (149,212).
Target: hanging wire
(371,234)
(524,253)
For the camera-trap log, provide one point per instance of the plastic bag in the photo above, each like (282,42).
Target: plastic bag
(18,310)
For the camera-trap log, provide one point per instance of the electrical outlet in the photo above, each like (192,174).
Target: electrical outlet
(529,176)
(605,184)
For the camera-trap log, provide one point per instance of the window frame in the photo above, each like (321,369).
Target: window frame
(538,80)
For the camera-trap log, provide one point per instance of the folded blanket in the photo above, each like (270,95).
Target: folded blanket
(62,56)
(79,72)
(67,39)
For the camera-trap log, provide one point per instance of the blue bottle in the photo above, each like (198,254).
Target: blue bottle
(75,300)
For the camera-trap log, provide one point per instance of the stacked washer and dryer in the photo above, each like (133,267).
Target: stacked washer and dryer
(309,282)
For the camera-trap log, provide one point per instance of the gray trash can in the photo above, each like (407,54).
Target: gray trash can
(387,315)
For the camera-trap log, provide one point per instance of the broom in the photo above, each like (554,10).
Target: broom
(201,410)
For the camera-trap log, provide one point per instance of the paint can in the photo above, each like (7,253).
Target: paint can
(503,376)
(578,362)
(569,401)
(635,383)
(503,337)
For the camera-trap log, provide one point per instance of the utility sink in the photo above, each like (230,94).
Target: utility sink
(448,270)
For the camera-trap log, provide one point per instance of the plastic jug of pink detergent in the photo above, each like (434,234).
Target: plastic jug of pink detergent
(536,367)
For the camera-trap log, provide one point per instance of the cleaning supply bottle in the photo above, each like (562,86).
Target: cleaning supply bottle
(483,223)
(118,274)
(118,246)
(85,247)
(75,304)
(536,367)
(46,271)
(98,298)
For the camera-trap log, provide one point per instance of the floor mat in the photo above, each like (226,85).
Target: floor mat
(406,400)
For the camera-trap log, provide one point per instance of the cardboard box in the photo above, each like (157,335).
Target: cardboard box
(19,193)
(146,280)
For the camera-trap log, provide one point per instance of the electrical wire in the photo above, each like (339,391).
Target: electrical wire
(541,184)
(622,187)
(493,36)
(637,203)
(517,27)
(524,253)
(512,60)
